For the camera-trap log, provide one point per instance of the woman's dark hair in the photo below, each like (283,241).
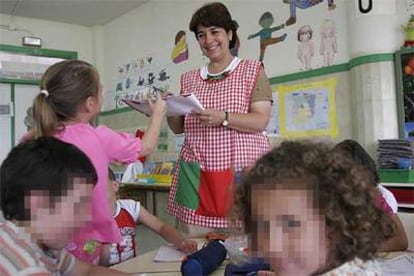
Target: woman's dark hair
(360,155)
(45,164)
(214,14)
(68,84)
(341,190)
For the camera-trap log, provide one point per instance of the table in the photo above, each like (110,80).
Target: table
(132,190)
(144,264)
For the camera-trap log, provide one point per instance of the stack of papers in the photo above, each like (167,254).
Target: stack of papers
(176,105)
(390,150)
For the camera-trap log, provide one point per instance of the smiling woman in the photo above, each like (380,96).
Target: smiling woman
(237,99)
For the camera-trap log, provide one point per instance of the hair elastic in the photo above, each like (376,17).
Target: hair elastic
(44,92)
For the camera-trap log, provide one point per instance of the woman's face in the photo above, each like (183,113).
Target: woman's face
(288,233)
(214,42)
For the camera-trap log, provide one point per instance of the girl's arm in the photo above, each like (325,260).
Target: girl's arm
(399,241)
(166,231)
(150,139)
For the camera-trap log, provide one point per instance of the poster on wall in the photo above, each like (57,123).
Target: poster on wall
(308,109)
(273,127)
(140,78)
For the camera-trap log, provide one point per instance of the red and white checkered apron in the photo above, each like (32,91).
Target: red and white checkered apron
(217,148)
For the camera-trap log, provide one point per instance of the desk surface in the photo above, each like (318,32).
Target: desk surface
(144,264)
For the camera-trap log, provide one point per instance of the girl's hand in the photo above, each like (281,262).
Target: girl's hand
(187,246)
(210,117)
(159,107)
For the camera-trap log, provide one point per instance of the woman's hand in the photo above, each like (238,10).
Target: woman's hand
(210,117)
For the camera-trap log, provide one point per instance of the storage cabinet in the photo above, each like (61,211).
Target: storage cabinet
(404,70)
(404,193)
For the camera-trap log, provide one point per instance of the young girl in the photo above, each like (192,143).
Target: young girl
(127,214)
(385,199)
(69,100)
(312,211)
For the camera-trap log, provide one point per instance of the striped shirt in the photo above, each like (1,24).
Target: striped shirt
(19,255)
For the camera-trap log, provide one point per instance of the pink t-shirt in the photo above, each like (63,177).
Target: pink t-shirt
(102,145)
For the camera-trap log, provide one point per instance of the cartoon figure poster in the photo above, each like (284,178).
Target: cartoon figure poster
(308,109)
(266,33)
(180,51)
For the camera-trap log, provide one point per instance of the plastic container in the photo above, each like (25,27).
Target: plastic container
(396,176)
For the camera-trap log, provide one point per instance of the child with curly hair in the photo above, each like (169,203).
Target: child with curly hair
(312,211)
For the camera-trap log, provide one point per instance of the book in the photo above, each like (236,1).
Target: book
(176,105)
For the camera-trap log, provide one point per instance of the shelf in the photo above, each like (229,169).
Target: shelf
(405,205)
(409,185)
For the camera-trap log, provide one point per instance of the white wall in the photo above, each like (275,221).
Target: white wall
(150,30)
(54,35)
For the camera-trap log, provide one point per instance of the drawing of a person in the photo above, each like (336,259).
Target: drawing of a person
(266,39)
(305,47)
(180,51)
(303,4)
(328,47)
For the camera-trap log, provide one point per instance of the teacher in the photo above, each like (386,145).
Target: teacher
(225,138)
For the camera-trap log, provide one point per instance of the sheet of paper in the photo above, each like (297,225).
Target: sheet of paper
(176,105)
(168,253)
(401,265)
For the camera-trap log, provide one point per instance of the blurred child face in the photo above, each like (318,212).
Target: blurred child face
(288,232)
(56,224)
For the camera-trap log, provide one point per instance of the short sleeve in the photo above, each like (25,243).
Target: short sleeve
(389,198)
(262,91)
(133,207)
(120,146)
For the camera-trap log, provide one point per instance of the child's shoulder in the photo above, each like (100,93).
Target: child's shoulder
(130,205)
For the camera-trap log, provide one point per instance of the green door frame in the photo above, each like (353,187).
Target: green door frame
(29,52)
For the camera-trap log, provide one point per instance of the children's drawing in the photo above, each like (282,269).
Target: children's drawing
(265,34)
(137,79)
(305,47)
(303,4)
(328,42)
(180,51)
(28,120)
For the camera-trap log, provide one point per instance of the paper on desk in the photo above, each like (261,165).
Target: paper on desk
(176,105)
(168,253)
(401,265)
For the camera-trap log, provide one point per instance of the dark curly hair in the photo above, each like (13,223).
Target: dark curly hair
(214,14)
(341,190)
(359,154)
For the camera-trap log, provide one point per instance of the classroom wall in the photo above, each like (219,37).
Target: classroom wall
(150,30)
(54,35)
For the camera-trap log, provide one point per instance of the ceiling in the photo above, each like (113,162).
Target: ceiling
(80,12)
